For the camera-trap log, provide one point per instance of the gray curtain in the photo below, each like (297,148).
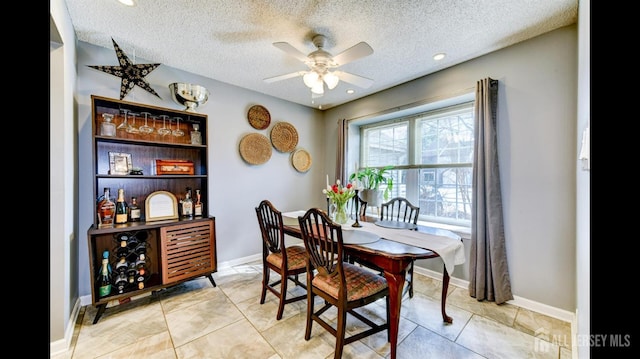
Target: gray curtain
(488,269)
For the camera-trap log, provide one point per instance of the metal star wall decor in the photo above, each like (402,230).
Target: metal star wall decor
(130,74)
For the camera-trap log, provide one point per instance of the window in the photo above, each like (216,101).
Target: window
(432,155)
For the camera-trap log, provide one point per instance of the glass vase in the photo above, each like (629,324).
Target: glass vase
(341,213)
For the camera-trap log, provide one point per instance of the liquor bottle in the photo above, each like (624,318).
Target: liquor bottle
(105,255)
(132,272)
(121,208)
(187,205)
(104,279)
(197,207)
(107,128)
(122,265)
(122,250)
(142,271)
(106,210)
(121,282)
(141,248)
(196,136)
(134,210)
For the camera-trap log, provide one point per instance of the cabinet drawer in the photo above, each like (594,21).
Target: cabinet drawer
(187,250)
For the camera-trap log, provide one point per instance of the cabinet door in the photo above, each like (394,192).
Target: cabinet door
(188,250)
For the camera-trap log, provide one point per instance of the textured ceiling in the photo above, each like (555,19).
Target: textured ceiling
(232,40)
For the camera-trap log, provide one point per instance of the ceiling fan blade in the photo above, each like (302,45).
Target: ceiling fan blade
(353,53)
(354,79)
(286,47)
(284,77)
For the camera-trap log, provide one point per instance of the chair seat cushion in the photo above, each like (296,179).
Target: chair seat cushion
(296,258)
(361,282)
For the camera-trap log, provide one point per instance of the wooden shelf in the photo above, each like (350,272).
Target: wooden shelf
(170,260)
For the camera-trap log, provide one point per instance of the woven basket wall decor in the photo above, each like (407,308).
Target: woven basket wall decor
(284,137)
(255,149)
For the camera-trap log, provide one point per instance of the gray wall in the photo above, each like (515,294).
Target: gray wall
(537,149)
(537,139)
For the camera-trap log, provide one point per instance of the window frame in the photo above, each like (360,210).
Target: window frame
(413,168)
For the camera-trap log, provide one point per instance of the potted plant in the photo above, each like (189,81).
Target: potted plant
(370,179)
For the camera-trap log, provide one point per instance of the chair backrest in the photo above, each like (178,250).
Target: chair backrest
(399,209)
(323,241)
(271,227)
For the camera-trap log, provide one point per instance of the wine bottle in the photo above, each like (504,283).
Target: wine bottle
(105,210)
(122,250)
(104,279)
(121,208)
(121,282)
(142,271)
(134,210)
(197,207)
(122,265)
(187,204)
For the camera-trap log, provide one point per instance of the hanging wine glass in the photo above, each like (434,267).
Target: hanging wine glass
(177,132)
(124,124)
(132,126)
(146,128)
(164,130)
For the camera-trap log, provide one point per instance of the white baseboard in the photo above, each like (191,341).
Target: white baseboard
(62,345)
(537,307)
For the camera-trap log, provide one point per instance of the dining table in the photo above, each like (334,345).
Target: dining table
(391,248)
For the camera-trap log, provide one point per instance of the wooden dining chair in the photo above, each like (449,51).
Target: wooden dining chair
(401,209)
(340,284)
(288,262)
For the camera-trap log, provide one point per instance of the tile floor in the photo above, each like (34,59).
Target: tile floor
(196,320)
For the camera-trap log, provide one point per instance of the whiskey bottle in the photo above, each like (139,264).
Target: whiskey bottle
(104,279)
(106,210)
(121,208)
(197,207)
(134,210)
(187,205)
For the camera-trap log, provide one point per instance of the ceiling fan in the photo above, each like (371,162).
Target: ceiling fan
(321,62)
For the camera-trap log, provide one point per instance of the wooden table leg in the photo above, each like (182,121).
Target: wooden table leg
(443,301)
(395,281)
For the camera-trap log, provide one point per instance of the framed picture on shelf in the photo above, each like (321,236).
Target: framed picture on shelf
(120,163)
(161,205)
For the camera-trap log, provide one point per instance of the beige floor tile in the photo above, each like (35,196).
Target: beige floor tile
(237,340)
(202,318)
(158,346)
(423,343)
(119,327)
(196,320)
(544,327)
(495,340)
(503,313)
(426,311)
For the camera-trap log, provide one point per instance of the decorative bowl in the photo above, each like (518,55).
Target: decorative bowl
(189,95)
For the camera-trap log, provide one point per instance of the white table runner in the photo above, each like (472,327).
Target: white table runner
(445,243)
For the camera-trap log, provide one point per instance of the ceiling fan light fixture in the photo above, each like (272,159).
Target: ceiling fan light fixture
(331,79)
(310,78)
(318,88)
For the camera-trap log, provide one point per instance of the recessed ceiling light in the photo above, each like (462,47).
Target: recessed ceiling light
(351,91)
(439,56)
(128,2)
